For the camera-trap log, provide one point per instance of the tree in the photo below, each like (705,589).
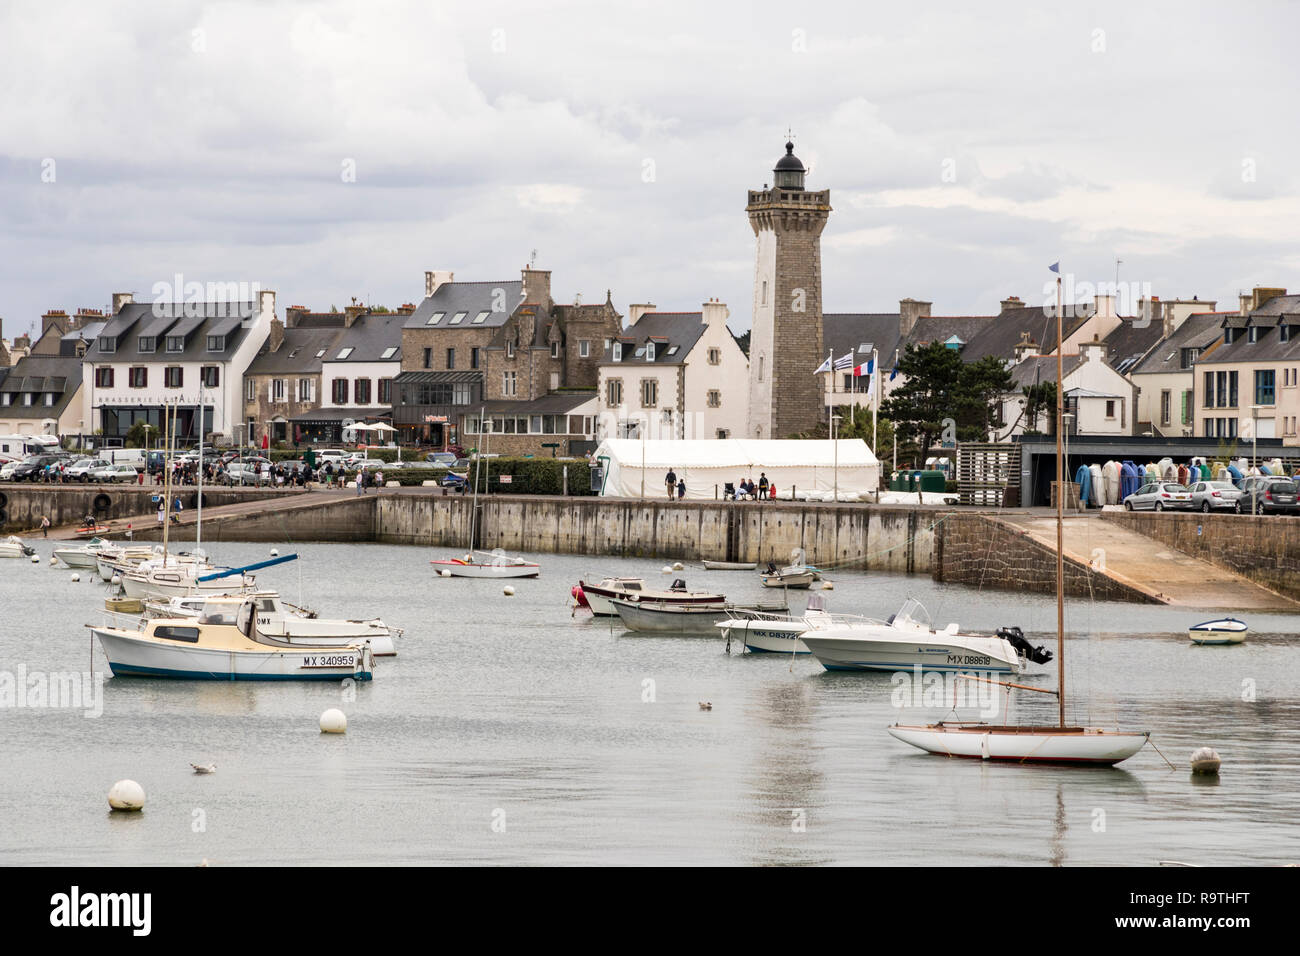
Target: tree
(1038,399)
(943,398)
(140,434)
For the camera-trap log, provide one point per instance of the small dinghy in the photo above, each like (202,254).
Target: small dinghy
(731,565)
(1223,631)
(15,547)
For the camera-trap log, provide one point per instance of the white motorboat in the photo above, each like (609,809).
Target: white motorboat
(908,640)
(215,647)
(792,577)
(761,631)
(598,597)
(666,617)
(119,559)
(168,580)
(278,620)
(482,564)
(1226,630)
(1063,743)
(14,547)
(82,556)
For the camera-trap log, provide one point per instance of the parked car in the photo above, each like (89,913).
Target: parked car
(442,459)
(1159,496)
(33,468)
(373,464)
(81,468)
(122,471)
(248,471)
(335,455)
(1215,496)
(1272,495)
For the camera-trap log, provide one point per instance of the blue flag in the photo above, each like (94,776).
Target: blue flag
(894,374)
(1055,267)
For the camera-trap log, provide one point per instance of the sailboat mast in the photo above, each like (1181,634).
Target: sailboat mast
(1060,513)
(169,424)
(198,521)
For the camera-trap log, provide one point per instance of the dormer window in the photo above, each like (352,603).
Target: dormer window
(555,350)
(176,343)
(1284,333)
(1228,335)
(435,318)
(108,343)
(458,318)
(1252,334)
(148,343)
(216,343)
(650,352)
(618,351)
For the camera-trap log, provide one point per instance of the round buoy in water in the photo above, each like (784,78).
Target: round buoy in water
(665,570)
(333,721)
(508,590)
(117,579)
(126,795)
(275,552)
(828,585)
(75,577)
(36,559)
(444,573)
(1205,760)
(677,566)
(53,560)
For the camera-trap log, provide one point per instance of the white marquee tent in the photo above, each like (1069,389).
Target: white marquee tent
(812,467)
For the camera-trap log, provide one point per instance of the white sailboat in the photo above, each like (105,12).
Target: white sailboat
(1062,743)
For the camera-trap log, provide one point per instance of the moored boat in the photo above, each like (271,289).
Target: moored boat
(730,565)
(481,564)
(766,632)
(82,556)
(792,577)
(666,617)
(1226,630)
(14,547)
(599,597)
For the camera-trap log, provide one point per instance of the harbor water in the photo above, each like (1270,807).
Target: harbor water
(509,730)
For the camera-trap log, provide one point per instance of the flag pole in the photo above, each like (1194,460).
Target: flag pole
(875,399)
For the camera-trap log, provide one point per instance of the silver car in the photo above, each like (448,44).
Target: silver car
(1159,496)
(1215,496)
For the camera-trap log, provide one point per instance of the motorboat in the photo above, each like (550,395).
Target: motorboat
(221,645)
(598,597)
(908,640)
(82,556)
(168,580)
(119,559)
(763,631)
(1226,630)
(667,617)
(484,564)
(278,620)
(15,547)
(792,576)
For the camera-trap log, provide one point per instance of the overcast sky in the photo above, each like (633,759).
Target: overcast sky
(966,147)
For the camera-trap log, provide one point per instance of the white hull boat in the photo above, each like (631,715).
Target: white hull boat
(15,547)
(600,597)
(908,641)
(766,635)
(663,617)
(494,565)
(82,556)
(731,565)
(1078,745)
(1224,631)
(792,578)
(202,649)
(181,580)
(278,622)
(118,560)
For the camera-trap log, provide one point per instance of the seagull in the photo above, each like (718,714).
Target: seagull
(200,768)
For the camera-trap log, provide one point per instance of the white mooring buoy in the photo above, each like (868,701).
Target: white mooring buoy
(75,577)
(333,721)
(126,795)
(36,559)
(53,560)
(1205,760)
(666,570)
(117,579)
(677,566)
(275,552)
(444,573)
(508,590)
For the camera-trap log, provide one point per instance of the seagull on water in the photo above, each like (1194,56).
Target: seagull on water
(204,768)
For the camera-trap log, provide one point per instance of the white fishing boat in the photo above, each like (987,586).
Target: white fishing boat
(598,597)
(1063,743)
(82,556)
(1226,630)
(908,640)
(214,647)
(180,578)
(278,620)
(766,632)
(483,564)
(791,577)
(731,565)
(665,617)
(14,547)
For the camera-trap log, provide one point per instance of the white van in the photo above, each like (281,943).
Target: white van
(124,456)
(22,446)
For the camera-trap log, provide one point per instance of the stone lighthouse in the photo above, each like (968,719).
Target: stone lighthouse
(785,345)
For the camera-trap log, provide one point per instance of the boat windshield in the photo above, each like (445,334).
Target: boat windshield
(913,612)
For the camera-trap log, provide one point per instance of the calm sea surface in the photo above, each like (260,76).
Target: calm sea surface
(509,731)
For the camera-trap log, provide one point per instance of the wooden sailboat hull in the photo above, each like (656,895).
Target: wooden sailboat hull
(1065,745)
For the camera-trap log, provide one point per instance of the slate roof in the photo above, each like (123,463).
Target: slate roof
(297,353)
(370,336)
(668,330)
(1000,334)
(40,374)
(845,331)
(136,317)
(1128,343)
(1035,369)
(1199,331)
(941,328)
(470,298)
(1285,309)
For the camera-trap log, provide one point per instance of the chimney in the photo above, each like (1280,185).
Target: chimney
(1263,294)
(1104,305)
(351,313)
(1025,347)
(120,299)
(537,287)
(636,310)
(715,313)
(1012,302)
(1245,300)
(265,306)
(1094,351)
(54,317)
(433,280)
(293,315)
(277,335)
(909,310)
(406,308)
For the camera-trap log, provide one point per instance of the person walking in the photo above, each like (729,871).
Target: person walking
(671,481)
(45,526)
(681,489)
(162,511)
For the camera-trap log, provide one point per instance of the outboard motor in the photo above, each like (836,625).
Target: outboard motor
(679,584)
(1016,638)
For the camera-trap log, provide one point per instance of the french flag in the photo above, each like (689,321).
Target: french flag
(869,368)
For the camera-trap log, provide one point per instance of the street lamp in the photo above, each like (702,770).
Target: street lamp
(1254,453)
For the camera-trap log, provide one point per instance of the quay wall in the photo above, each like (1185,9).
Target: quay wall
(346,518)
(1263,548)
(21,505)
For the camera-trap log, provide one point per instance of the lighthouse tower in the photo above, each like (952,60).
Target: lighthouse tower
(785,344)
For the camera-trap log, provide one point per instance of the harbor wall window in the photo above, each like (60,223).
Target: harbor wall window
(173,376)
(385,391)
(138,377)
(614,392)
(362,391)
(210,376)
(340,391)
(1264,382)
(104,378)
